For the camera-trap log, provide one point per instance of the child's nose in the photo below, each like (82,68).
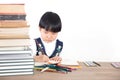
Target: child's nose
(49,36)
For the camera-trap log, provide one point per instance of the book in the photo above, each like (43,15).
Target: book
(20,59)
(22,32)
(16,70)
(11,52)
(14,42)
(2,64)
(13,58)
(63,62)
(69,62)
(9,48)
(13,23)
(12,9)
(14,36)
(17,73)
(16,67)
(17,55)
(9,59)
(12,17)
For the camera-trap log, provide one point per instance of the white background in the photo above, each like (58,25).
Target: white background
(91,28)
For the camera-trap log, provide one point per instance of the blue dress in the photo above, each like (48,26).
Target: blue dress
(41,48)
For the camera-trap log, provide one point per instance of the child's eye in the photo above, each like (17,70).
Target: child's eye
(53,33)
(46,32)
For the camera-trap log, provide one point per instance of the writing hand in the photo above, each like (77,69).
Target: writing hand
(41,58)
(56,58)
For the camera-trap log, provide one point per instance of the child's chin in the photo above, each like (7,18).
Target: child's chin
(48,41)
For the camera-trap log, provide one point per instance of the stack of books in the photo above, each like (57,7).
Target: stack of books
(15,54)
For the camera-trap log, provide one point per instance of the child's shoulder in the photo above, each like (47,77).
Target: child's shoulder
(59,42)
(37,38)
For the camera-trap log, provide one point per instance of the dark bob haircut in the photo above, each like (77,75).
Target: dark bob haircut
(50,21)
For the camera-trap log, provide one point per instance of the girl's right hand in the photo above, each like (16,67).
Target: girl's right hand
(41,58)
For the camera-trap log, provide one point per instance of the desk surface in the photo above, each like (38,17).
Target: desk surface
(105,72)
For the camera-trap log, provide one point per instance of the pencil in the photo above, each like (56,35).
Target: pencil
(96,63)
(44,69)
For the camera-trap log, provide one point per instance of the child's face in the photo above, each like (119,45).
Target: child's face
(48,36)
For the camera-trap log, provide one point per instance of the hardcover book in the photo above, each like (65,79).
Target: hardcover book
(14,42)
(17,73)
(12,33)
(11,48)
(13,23)
(12,9)
(12,17)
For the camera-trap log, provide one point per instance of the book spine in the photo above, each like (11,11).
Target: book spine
(12,17)
(16,70)
(6,33)
(16,52)
(12,9)
(17,63)
(16,60)
(14,42)
(22,30)
(7,48)
(13,23)
(17,67)
(14,36)
(17,73)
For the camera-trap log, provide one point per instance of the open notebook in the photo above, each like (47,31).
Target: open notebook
(69,62)
(63,62)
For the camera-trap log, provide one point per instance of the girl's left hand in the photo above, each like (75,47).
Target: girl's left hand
(56,58)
